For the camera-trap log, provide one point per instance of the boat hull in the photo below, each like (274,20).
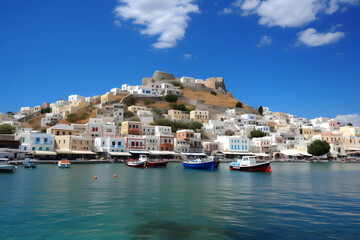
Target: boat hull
(157,164)
(136,164)
(204,165)
(29,165)
(7,169)
(262,167)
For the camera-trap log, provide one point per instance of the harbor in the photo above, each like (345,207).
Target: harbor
(297,201)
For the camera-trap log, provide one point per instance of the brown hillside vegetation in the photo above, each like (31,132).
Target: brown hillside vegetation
(82,116)
(161,104)
(34,122)
(209,99)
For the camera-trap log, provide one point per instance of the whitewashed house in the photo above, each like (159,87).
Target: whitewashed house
(35,141)
(187,80)
(76,97)
(145,116)
(233,143)
(50,119)
(110,144)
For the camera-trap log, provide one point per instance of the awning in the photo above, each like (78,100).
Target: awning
(261,155)
(194,154)
(82,152)
(290,152)
(44,153)
(120,154)
(163,153)
(239,153)
(139,152)
(67,151)
(305,154)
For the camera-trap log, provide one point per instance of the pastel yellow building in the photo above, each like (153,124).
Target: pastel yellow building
(73,143)
(79,103)
(178,115)
(350,131)
(134,109)
(199,116)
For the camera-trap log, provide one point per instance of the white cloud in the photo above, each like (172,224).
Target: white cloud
(265,41)
(166,19)
(350,118)
(187,55)
(290,13)
(312,38)
(225,11)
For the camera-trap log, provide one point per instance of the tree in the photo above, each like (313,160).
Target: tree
(45,110)
(6,129)
(43,130)
(257,134)
(171,98)
(318,148)
(301,131)
(9,113)
(213,93)
(229,133)
(180,107)
(239,105)
(72,117)
(130,101)
(350,124)
(128,114)
(260,110)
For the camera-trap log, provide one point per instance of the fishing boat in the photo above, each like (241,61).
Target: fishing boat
(249,164)
(202,163)
(5,167)
(138,163)
(64,164)
(29,163)
(157,163)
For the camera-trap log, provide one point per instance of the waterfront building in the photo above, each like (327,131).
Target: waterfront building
(134,143)
(233,143)
(35,141)
(131,128)
(110,144)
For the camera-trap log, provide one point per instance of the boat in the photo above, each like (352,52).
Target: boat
(139,163)
(157,163)
(202,163)
(249,164)
(28,163)
(5,167)
(64,164)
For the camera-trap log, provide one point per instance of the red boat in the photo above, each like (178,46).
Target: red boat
(157,163)
(139,163)
(248,164)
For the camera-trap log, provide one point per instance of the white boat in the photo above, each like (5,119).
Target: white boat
(30,163)
(139,163)
(64,164)
(5,167)
(249,164)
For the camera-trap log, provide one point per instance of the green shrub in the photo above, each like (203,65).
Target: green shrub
(171,98)
(318,148)
(128,114)
(45,110)
(177,125)
(257,134)
(149,101)
(6,129)
(72,117)
(84,115)
(239,105)
(213,93)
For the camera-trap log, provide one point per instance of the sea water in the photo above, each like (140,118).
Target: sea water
(295,201)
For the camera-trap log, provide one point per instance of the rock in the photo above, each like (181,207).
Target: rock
(229,94)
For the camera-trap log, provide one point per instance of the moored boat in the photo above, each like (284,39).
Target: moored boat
(5,167)
(138,163)
(29,163)
(64,164)
(249,164)
(202,163)
(157,163)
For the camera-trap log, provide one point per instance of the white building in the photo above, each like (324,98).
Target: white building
(233,143)
(152,142)
(110,144)
(35,141)
(50,119)
(115,91)
(145,116)
(162,130)
(76,97)
(187,80)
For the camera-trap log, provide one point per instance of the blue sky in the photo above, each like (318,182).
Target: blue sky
(299,57)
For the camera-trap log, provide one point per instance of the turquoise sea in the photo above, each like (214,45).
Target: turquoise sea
(296,201)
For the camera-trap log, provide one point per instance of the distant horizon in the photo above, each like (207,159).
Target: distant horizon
(301,62)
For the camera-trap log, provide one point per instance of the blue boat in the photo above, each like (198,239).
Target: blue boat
(28,163)
(199,163)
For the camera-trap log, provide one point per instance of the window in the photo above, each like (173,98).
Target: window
(25,148)
(37,140)
(23,139)
(33,148)
(47,149)
(45,140)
